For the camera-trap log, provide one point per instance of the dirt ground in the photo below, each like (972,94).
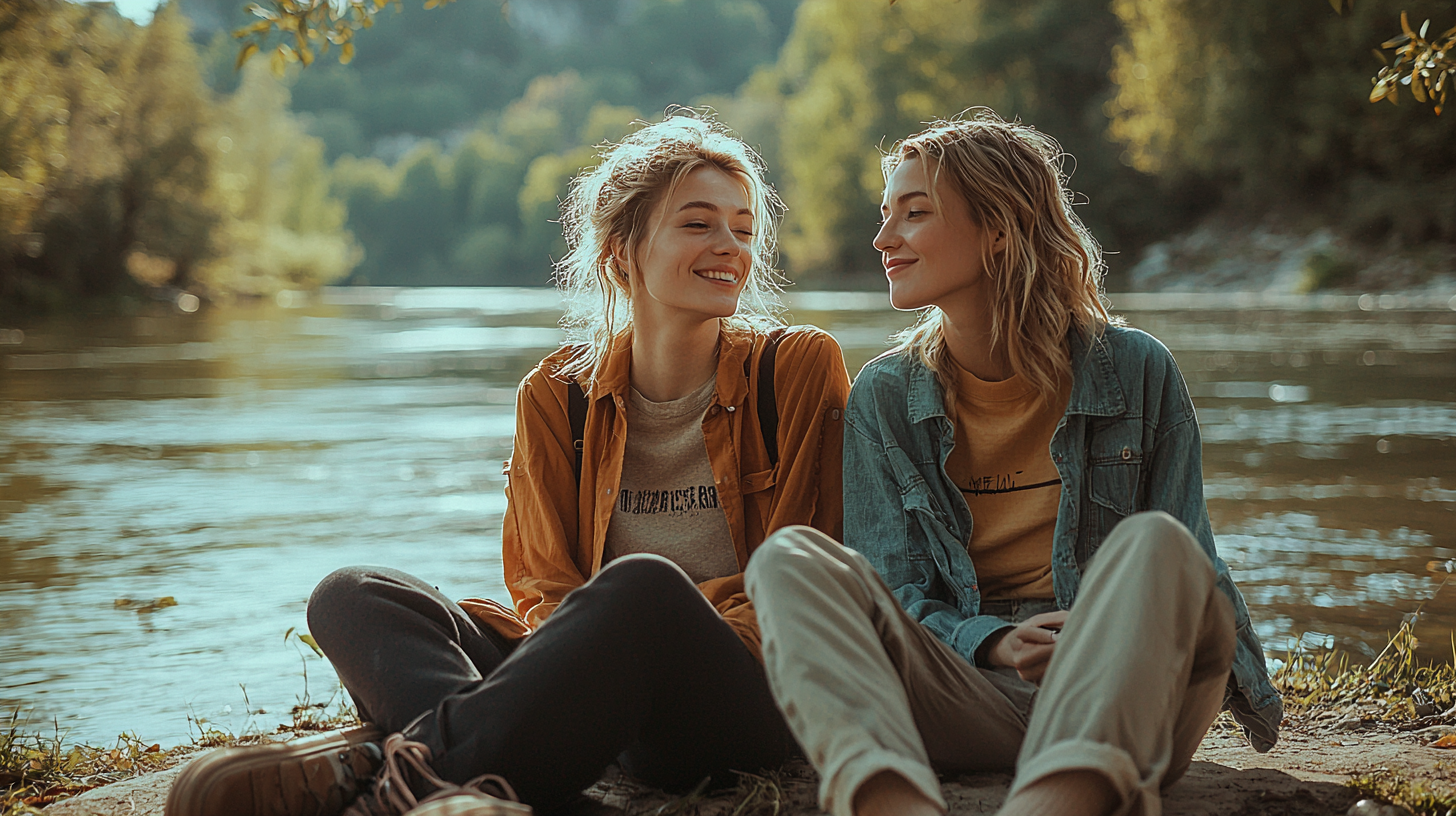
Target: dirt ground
(1304,775)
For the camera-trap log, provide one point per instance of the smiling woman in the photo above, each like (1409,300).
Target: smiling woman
(652,456)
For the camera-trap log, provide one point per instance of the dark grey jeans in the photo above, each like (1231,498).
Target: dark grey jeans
(634,667)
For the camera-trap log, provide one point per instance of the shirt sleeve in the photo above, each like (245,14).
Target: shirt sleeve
(538,538)
(811,387)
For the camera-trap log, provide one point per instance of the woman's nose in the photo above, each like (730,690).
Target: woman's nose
(728,243)
(886,238)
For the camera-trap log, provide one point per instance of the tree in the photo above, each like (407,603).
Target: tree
(284,227)
(100,152)
(855,76)
(1214,93)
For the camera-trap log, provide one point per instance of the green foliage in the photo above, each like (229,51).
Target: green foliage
(1265,102)
(486,212)
(854,75)
(104,156)
(308,28)
(118,166)
(284,228)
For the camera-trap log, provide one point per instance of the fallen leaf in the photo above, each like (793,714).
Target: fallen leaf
(1448,741)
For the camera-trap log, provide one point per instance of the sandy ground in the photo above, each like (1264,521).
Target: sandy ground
(1304,775)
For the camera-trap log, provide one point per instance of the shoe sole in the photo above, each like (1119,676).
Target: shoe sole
(222,781)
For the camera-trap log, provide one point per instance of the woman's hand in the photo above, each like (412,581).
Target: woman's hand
(1028,647)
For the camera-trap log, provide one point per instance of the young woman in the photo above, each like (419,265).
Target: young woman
(1030,581)
(652,456)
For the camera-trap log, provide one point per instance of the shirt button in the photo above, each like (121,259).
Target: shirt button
(731,409)
(1126,454)
(609,491)
(714,411)
(834,414)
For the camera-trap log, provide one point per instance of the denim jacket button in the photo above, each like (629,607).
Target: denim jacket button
(1126,454)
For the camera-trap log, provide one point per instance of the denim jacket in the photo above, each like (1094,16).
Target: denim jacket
(1128,442)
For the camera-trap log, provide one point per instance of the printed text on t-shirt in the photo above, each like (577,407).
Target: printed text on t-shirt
(677,502)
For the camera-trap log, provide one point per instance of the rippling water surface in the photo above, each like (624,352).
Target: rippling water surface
(230,459)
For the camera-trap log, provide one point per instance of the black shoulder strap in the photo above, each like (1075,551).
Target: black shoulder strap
(768,407)
(576,413)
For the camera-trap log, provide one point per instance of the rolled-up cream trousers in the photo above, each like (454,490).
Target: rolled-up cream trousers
(1136,679)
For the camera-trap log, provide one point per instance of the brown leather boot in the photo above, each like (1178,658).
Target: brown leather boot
(316,776)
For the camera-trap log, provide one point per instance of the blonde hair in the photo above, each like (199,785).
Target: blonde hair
(1048,278)
(607,213)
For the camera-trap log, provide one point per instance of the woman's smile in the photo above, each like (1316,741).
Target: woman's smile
(722,274)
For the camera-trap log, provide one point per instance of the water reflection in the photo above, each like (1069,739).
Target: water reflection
(230,459)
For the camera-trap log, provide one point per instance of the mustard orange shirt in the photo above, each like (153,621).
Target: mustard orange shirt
(1002,464)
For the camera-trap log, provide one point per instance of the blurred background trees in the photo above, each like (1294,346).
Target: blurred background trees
(438,154)
(120,168)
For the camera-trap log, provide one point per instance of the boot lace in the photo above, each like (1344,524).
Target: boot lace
(393,794)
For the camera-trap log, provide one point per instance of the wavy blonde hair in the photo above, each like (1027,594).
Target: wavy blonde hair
(607,214)
(1048,278)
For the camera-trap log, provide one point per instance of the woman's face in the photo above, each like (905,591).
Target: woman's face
(696,256)
(933,255)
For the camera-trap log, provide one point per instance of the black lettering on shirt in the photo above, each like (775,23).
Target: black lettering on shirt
(1002,483)
(676,502)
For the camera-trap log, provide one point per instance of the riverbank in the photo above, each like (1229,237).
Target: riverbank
(1384,730)
(1226,254)
(1314,771)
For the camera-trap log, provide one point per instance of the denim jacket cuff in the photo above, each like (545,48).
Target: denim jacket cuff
(970,633)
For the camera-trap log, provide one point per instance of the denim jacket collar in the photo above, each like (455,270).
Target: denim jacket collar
(1096,390)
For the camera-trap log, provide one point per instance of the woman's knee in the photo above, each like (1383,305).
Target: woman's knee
(341,597)
(790,554)
(1156,540)
(1154,528)
(643,578)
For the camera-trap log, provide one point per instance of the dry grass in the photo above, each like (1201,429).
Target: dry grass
(1422,797)
(38,768)
(1395,687)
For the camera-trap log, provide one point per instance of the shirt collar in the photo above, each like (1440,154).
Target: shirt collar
(1096,390)
(612,376)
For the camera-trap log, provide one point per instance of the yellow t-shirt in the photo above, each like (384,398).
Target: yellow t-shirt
(1002,464)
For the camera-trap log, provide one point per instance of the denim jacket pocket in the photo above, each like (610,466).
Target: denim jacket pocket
(919,513)
(1114,486)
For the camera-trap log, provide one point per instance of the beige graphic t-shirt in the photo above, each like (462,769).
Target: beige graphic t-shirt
(668,503)
(1002,464)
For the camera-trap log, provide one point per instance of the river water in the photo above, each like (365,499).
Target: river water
(230,458)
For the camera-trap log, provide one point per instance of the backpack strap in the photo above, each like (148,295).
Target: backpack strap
(768,407)
(576,413)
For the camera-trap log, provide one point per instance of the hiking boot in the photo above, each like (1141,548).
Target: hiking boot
(407,770)
(316,776)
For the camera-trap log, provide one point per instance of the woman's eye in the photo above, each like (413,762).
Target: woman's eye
(914,213)
(745,233)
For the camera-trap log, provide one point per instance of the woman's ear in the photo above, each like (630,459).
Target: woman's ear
(998,245)
(617,262)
